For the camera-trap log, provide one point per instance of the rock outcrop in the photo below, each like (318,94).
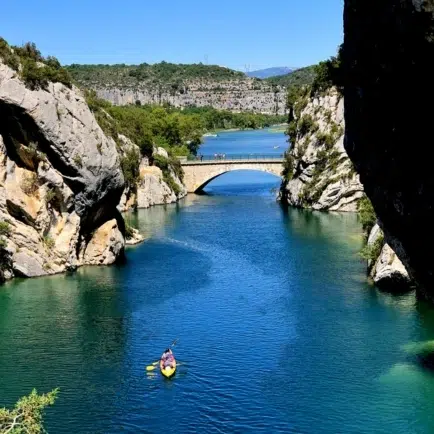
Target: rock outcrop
(387,271)
(152,188)
(60,181)
(388,51)
(319,173)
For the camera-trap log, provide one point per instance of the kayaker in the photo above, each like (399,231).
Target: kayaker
(168,358)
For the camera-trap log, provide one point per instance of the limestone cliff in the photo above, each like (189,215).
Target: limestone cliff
(154,186)
(318,173)
(246,94)
(181,86)
(320,176)
(386,269)
(60,181)
(388,51)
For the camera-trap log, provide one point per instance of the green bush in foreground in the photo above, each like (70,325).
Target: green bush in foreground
(27,415)
(36,71)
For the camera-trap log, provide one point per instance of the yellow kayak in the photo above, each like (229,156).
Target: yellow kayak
(168,371)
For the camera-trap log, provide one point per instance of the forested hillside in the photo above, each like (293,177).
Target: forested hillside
(298,78)
(195,85)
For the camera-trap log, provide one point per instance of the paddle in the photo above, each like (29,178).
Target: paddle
(152,368)
(154,364)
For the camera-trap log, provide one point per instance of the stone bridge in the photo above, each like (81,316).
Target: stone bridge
(197,174)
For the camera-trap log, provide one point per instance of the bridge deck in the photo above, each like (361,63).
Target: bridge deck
(233,159)
(214,162)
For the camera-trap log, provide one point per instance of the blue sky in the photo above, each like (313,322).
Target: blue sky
(233,33)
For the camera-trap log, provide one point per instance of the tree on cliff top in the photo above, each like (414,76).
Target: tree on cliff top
(26,416)
(329,74)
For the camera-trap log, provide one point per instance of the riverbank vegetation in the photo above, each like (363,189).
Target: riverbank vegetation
(34,69)
(368,218)
(178,131)
(213,119)
(27,415)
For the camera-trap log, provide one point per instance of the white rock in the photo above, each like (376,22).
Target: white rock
(335,188)
(389,272)
(74,186)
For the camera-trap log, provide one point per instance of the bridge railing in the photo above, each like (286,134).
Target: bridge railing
(231,157)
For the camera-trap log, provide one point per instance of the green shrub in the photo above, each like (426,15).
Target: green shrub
(33,75)
(51,197)
(5,229)
(180,151)
(78,160)
(129,231)
(36,71)
(291,132)
(367,214)
(168,179)
(49,243)
(325,139)
(306,125)
(176,166)
(29,51)
(165,164)
(161,162)
(288,166)
(8,56)
(130,164)
(371,252)
(328,74)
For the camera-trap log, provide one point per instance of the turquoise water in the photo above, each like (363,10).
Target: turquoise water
(276,325)
(245,142)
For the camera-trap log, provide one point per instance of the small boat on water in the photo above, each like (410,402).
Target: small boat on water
(210,135)
(168,366)
(276,147)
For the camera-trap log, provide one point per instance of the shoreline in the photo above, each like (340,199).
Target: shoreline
(272,128)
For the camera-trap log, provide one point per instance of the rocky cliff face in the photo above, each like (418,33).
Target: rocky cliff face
(320,176)
(387,271)
(152,188)
(319,173)
(244,94)
(388,53)
(60,181)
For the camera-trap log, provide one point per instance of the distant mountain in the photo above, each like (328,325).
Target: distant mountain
(300,77)
(271,72)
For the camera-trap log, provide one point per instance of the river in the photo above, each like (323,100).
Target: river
(277,328)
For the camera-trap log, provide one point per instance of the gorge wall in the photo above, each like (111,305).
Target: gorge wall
(319,174)
(388,53)
(60,181)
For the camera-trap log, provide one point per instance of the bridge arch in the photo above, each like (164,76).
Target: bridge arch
(197,175)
